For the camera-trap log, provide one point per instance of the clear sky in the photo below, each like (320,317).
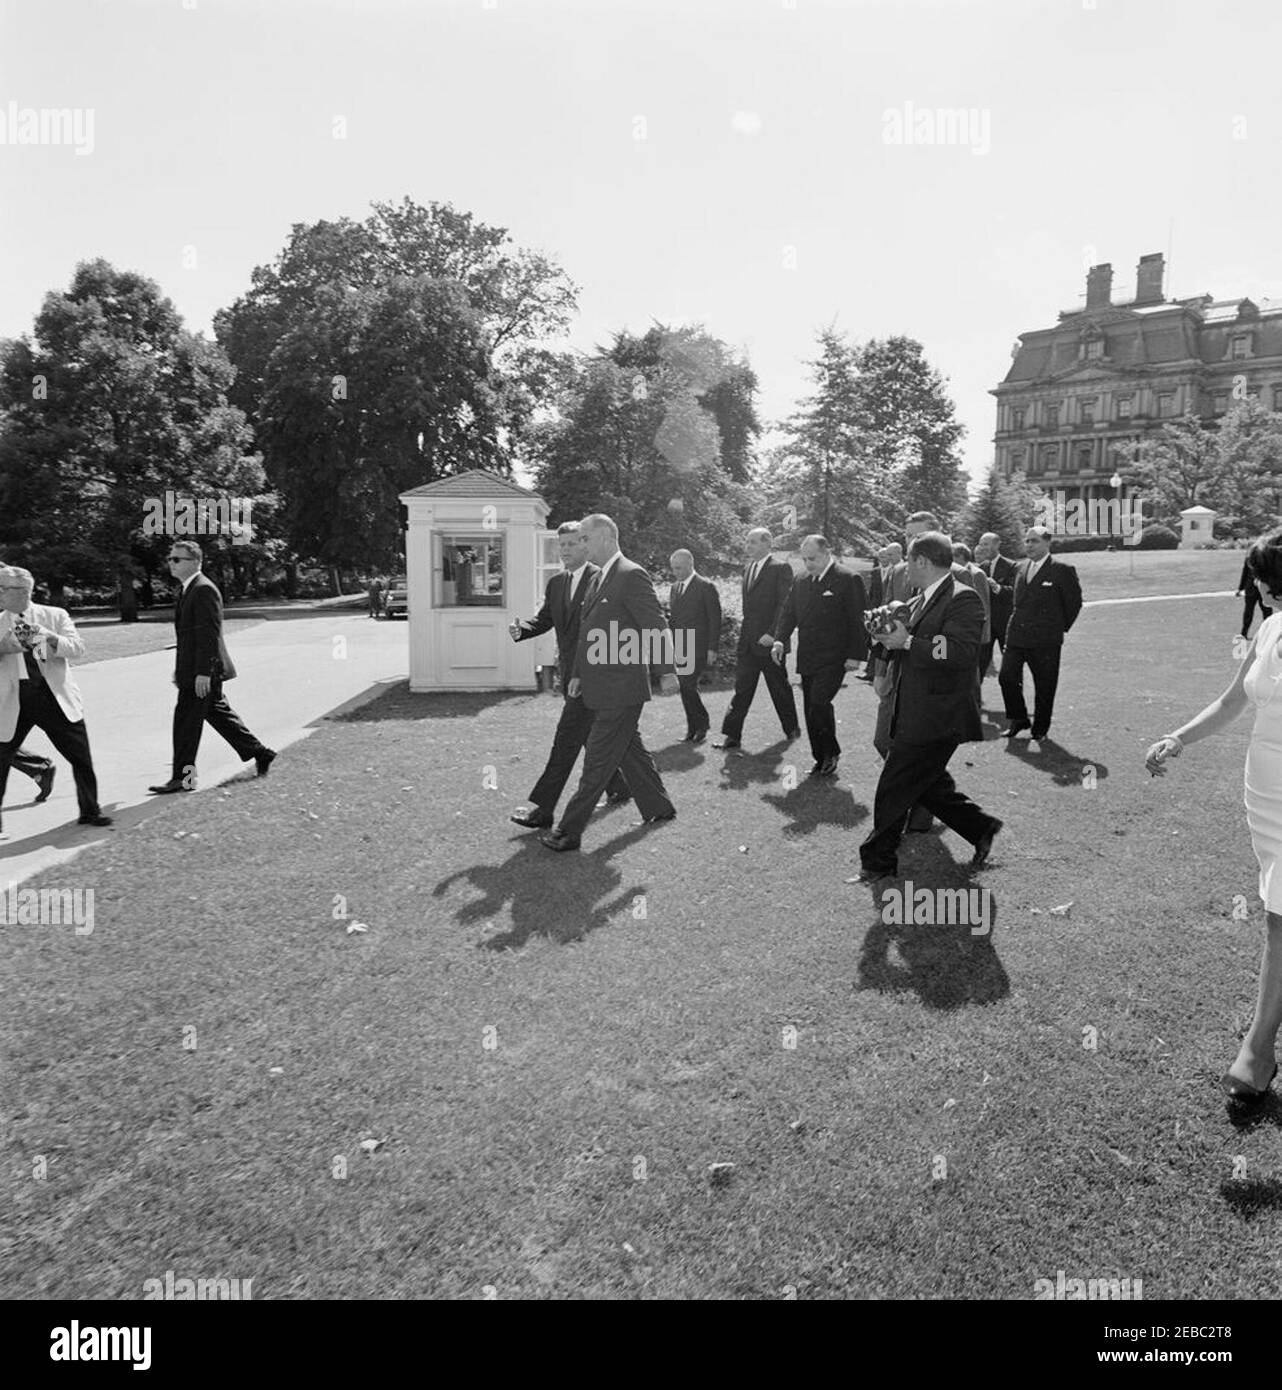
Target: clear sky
(764,200)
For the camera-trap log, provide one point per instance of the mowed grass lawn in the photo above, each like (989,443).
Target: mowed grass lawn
(554,1049)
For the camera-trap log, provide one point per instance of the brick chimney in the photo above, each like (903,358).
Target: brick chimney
(1148,279)
(1099,286)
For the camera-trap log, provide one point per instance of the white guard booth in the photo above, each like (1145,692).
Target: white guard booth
(1198,526)
(477,555)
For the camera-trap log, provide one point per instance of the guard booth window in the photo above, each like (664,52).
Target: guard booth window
(467,571)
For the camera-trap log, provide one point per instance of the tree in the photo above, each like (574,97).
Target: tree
(368,392)
(636,435)
(909,427)
(1183,465)
(112,404)
(998,509)
(520,299)
(823,475)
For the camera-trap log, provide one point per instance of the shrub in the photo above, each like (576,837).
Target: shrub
(1159,538)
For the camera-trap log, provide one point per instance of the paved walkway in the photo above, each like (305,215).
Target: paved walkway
(289,677)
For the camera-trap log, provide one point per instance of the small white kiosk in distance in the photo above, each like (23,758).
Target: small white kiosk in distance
(1197,525)
(477,556)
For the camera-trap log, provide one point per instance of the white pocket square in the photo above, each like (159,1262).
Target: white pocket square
(827,593)
(1047,584)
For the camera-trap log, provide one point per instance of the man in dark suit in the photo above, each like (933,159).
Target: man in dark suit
(694,608)
(202,665)
(1001,577)
(1045,603)
(40,769)
(935,707)
(562,606)
(622,633)
(766,582)
(825,607)
(1245,585)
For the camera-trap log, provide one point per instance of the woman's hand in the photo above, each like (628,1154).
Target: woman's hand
(1158,754)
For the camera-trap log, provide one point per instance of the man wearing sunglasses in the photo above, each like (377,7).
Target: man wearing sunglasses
(203,664)
(38,689)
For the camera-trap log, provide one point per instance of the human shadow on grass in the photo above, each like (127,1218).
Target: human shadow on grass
(1251,1198)
(1065,769)
(402,706)
(562,897)
(1244,1117)
(947,966)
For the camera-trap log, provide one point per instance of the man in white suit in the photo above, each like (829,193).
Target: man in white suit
(38,690)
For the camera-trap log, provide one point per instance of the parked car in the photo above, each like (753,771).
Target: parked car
(397,602)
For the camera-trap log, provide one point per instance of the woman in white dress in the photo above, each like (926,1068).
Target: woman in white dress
(1258,683)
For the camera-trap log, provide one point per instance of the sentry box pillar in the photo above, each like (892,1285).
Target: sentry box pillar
(477,555)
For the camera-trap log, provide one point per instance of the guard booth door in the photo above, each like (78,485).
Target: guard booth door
(548,563)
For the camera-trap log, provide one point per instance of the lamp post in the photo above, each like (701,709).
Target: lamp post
(1115,482)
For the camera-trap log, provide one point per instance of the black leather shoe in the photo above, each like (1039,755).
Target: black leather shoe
(264,760)
(727,743)
(817,770)
(1012,729)
(556,840)
(168,788)
(875,875)
(533,820)
(617,798)
(984,847)
(1240,1093)
(828,768)
(98,819)
(45,783)
(666,815)
(791,733)
(698,736)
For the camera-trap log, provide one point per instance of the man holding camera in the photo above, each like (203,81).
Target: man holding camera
(38,690)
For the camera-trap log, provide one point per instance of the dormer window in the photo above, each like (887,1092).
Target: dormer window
(1095,347)
(1240,345)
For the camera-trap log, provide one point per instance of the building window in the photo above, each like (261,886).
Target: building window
(1241,346)
(1017,460)
(1125,407)
(1017,417)
(1220,402)
(1049,457)
(1095,347)
(1086,409)
(1277,398)
(468,572)
(1052,416)
(1166,404)
(1083,460)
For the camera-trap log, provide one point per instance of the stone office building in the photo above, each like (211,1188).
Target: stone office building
(1080,396)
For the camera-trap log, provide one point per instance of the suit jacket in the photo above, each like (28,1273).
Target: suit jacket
(974,578)
(1002,572)
(198,620)
(874,587)
(896,588)
(1043,612)
(936,693)
(563,614)
(828,617)
(697,609)
(762,603)
(55,665)
(613,667)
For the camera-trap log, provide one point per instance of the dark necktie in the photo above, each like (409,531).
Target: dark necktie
(34,672)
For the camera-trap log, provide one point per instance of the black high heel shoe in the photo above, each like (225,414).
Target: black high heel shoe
(1243,1094)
